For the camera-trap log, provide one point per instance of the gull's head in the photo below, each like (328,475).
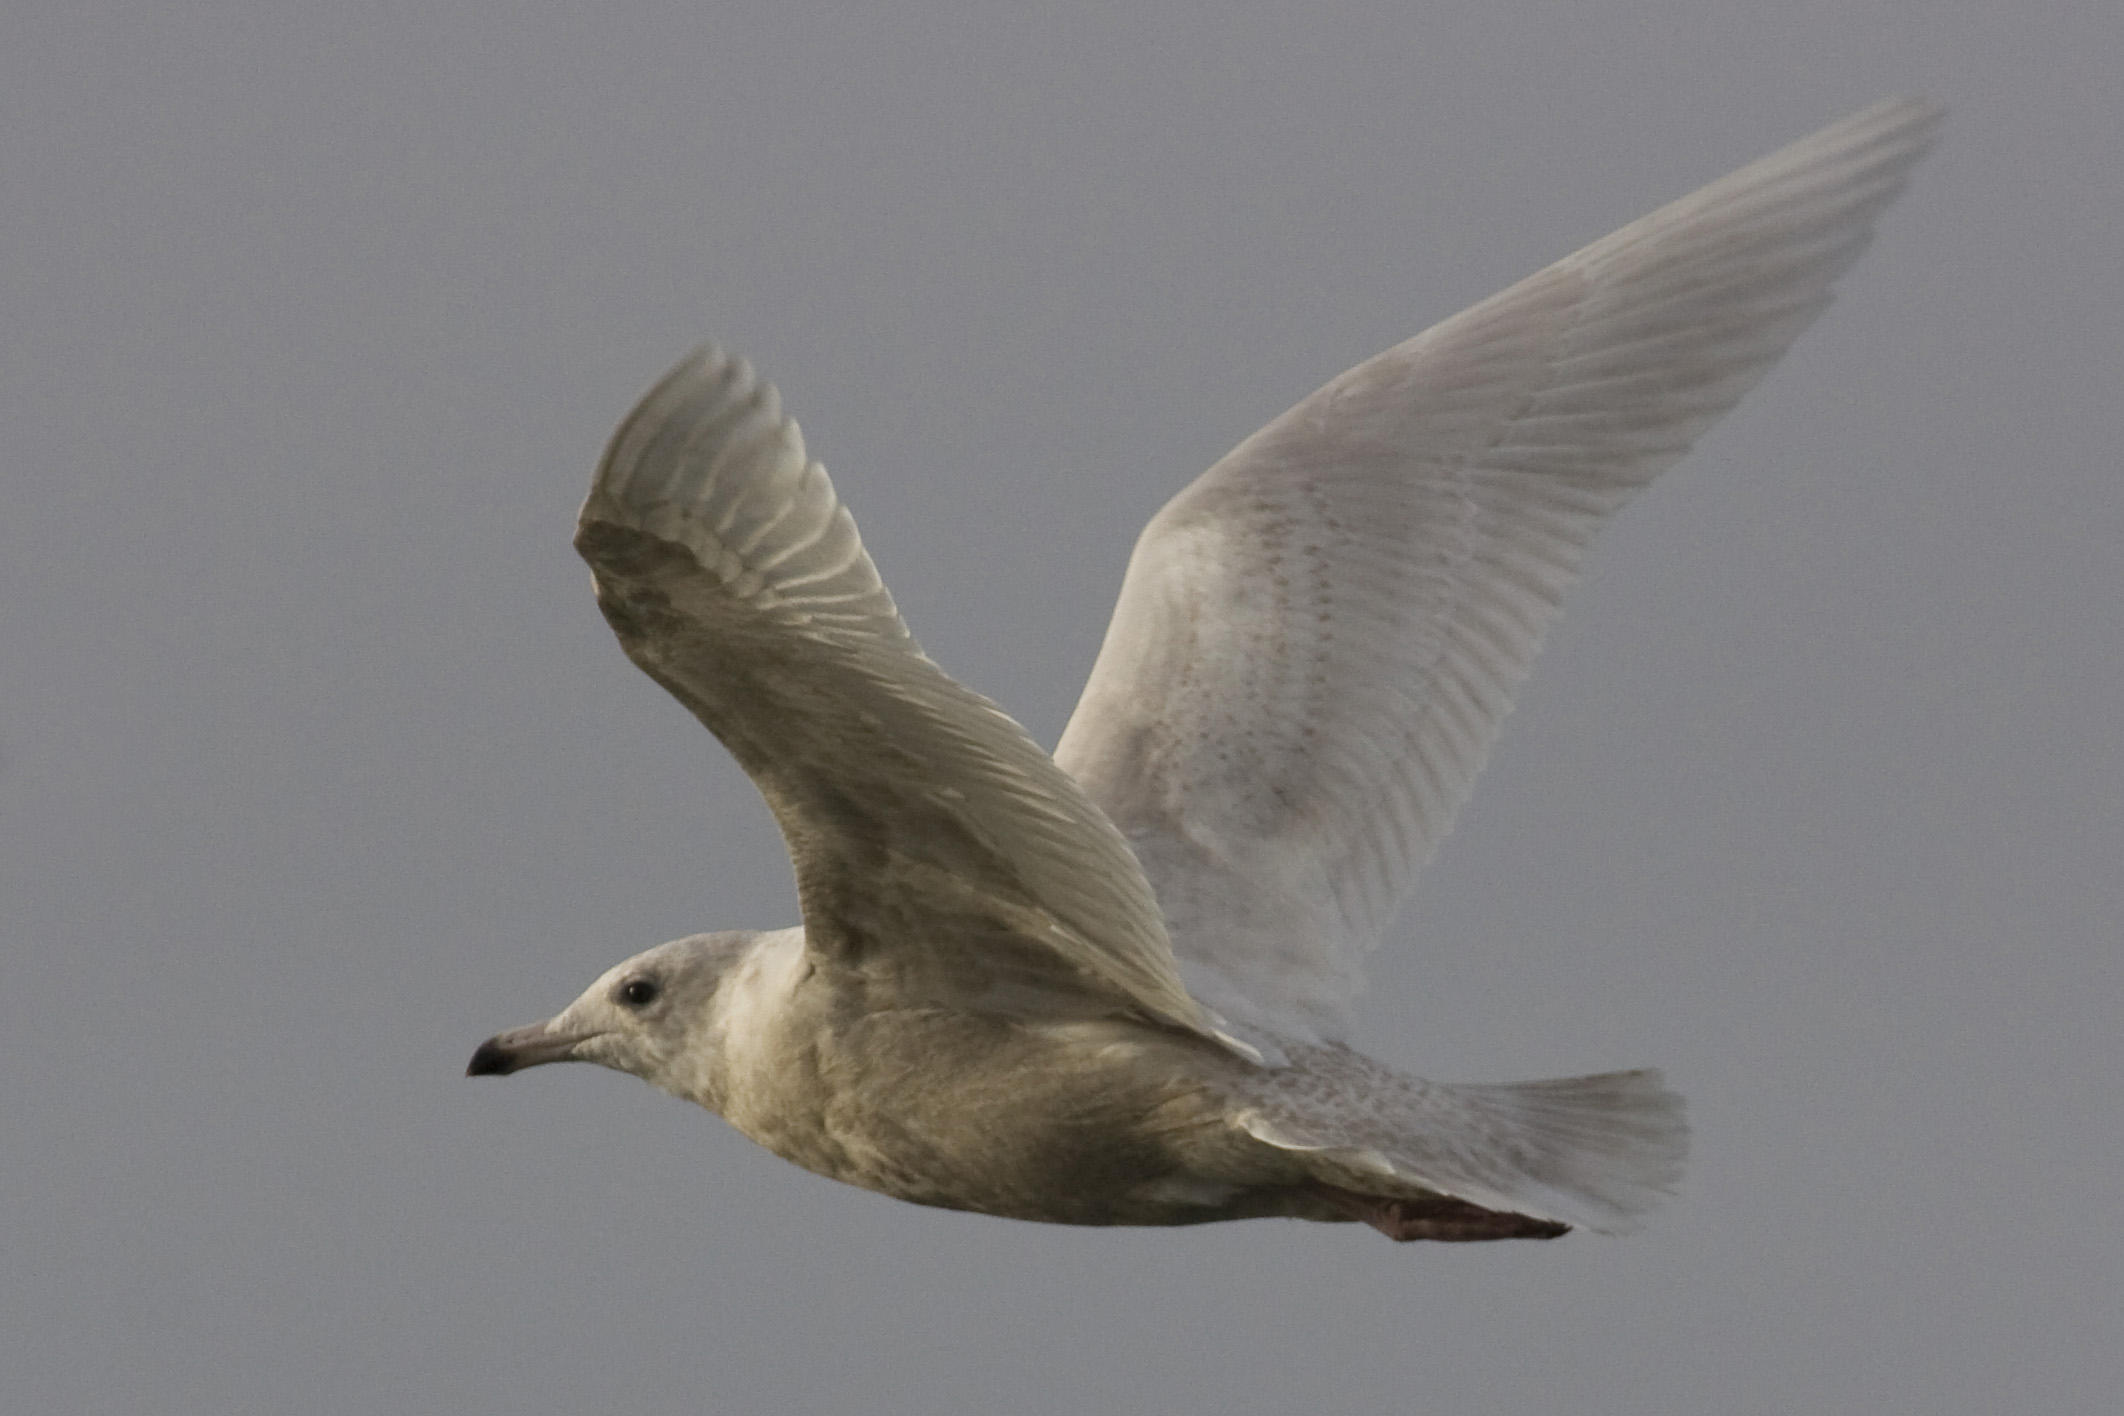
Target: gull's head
(651,1016)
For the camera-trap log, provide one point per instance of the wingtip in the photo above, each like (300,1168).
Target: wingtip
(1911,119)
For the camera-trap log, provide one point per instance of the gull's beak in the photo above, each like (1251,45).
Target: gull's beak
(519,1048)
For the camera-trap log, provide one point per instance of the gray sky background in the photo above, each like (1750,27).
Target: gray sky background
(317,764)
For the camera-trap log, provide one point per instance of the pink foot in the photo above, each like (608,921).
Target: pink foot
(1440,1218)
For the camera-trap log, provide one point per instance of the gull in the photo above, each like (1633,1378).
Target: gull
(1112,986)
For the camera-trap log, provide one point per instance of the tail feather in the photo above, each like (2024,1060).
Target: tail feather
(1605,1149)
(1592,1152)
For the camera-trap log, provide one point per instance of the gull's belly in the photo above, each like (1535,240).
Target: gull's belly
(1080,1122)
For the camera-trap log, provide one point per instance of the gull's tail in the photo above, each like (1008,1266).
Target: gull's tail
(1522,1160)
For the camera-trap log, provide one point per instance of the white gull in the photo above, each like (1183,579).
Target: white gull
(1315,645)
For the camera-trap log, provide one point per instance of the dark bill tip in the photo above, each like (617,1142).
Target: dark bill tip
(491,1060)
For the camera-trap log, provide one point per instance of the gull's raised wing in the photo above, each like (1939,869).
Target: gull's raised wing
(936,846)
(1317,641)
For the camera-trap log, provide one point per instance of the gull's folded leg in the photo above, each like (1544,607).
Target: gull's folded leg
(1441,1218)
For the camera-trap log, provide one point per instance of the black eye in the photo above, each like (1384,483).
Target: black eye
(638,992)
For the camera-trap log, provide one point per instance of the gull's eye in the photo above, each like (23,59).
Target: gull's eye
(638,992)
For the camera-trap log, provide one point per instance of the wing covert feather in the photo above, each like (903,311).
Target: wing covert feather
(1317,641)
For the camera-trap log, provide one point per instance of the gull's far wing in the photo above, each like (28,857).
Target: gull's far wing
(936,846)
(1317,641)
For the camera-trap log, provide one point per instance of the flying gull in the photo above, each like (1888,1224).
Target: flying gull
(1113,985)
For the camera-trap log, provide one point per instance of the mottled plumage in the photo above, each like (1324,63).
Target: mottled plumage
(1113,986)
